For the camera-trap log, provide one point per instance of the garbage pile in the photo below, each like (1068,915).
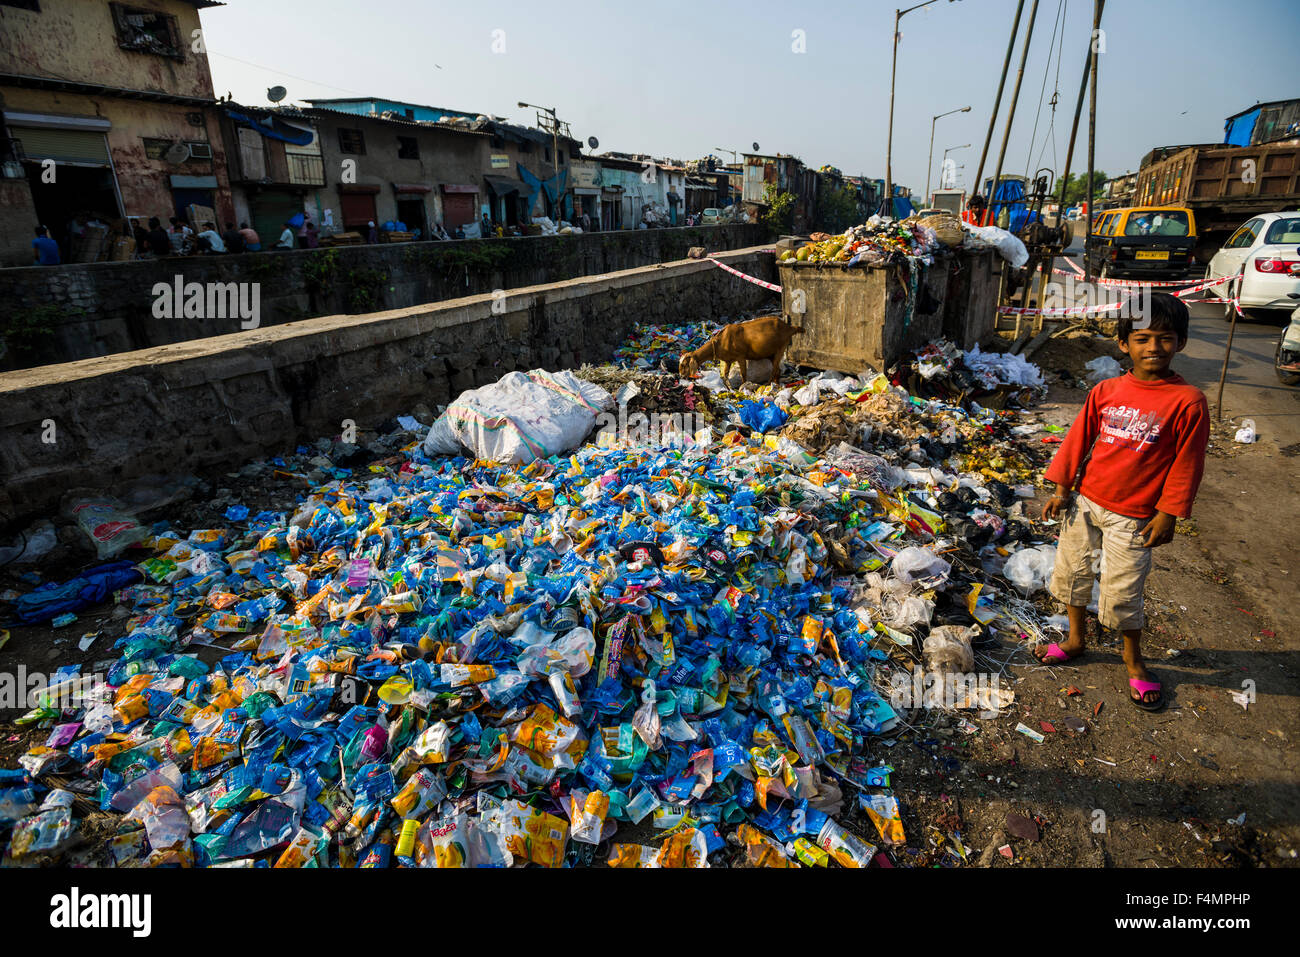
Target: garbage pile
(651,345)
(871,244)
(678,657)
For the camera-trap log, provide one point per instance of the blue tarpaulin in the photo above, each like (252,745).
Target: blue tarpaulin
(1238,130)
(87,589)
(274,128)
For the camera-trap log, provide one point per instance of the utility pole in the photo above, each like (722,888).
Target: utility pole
(555,153)
(997,101)
(929,163)
(1011,113)
(1092,137)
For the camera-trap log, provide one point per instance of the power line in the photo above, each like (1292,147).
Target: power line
(1043,89)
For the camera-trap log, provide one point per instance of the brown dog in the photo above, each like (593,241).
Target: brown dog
(763,338)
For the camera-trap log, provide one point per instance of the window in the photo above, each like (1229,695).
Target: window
(1157,222)
(146,31)
(1244,237)
(352,141)
(1284,231)
(548,154)
(407,148)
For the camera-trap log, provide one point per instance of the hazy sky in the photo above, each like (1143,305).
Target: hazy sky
(679,79)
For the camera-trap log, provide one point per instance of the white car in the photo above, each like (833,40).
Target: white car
(1266,251)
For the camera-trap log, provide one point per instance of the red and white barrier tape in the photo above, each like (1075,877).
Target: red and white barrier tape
(737,272)
(1194,287)
(1068,311)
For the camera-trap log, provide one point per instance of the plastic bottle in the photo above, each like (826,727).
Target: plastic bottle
(846,848)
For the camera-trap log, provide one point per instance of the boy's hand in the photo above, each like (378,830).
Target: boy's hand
(1056,504)
(1159,531)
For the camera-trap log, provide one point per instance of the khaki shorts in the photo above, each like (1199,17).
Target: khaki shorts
(1126,562)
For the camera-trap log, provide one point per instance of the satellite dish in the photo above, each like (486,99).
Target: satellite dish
(276,93)
(177,153)
(755,147)
(593,142)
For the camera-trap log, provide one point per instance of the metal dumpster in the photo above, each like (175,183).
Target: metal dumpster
(866,317)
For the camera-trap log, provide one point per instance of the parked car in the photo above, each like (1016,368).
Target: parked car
(711,216)
(1266,251)
(1144,242)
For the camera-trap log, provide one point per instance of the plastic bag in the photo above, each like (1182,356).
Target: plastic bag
(520,417)
(1008,246)
(762,416)
(915,564)
(1245,434)
(33,545)
(947,649)
(1103,367)
(107,526)
(1030,569)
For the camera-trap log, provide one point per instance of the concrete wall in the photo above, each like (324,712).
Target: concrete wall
(100,309)
(225,400)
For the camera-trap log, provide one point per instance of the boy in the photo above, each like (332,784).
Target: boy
(1139,443)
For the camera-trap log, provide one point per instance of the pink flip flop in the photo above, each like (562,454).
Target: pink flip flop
(1144,688)
(1055,655)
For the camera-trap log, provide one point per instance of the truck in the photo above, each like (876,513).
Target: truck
(953,200)
(1222,185)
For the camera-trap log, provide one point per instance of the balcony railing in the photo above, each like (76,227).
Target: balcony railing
(306,169)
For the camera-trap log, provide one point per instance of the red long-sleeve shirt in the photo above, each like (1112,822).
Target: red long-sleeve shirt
(1147,441)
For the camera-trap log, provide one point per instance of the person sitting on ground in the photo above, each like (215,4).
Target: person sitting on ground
(210,240)
(233,239)
(157,242)
(45,251)
(1135,454)
(252,241)
(286,237)
(181,237)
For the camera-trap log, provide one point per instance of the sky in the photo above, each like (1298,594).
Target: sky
(683,79)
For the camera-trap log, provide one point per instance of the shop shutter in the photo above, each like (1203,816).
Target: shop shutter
(66,146)
(270,210)
(358,209)
(457,210)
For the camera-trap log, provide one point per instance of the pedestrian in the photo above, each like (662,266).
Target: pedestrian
(233,238)
(1139,442)
(252,241)
(485,226)
(181,237)
(586,221)
(210,240)
(373,235)
(286,237)
(45,251)
(310,234)
(157,241)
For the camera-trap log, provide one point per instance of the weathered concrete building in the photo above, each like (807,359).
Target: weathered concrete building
(275,166)
(106,110)
(387,168)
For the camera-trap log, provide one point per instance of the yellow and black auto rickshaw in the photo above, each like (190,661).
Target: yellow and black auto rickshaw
(1144,242)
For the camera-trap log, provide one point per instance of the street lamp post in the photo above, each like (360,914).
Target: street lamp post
(930,160)
(944,162)
(888,208)
(555,150)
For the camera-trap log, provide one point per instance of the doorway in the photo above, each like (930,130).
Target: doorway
(76,189)
(411,213)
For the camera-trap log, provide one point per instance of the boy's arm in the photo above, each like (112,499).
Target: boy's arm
(1064,470)
(1184,475)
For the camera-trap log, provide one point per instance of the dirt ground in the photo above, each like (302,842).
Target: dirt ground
(1204,783)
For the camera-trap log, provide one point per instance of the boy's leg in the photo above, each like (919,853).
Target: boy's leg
(1128,562)
(1072,575)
